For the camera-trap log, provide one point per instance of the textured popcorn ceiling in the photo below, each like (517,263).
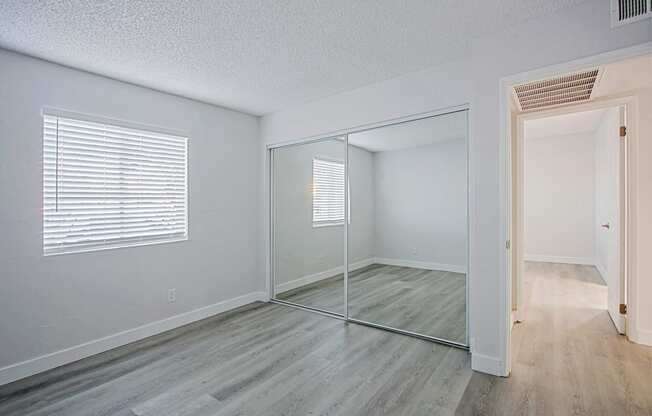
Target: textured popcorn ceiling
(257,56)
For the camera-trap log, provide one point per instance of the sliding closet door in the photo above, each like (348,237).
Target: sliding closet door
(308,214)
(407,239)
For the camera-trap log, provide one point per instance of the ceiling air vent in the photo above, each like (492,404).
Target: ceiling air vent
(628,11)
(566,89)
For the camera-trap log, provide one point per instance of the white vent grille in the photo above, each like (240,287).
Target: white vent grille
(629,11)
(567,89)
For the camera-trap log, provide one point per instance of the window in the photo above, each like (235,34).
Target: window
(106,186)
(328,192)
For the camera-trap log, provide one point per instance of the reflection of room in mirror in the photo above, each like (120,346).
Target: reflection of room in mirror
(407,229)
(417,279)
(308,197)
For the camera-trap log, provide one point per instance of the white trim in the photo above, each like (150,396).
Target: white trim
(421,265)
(640,336)
(95,118)
(601,270)
(587,261)
(486,364)
(505,177)
(49,361)
(617,319)
(370,126)
(316,277)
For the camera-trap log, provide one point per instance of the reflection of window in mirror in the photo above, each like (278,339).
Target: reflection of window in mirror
(328,192)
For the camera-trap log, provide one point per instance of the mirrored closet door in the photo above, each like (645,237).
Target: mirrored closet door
(308,214)
(390,203)
(407,241)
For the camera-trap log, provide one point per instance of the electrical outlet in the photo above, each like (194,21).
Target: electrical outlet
(172,295)
(414,251)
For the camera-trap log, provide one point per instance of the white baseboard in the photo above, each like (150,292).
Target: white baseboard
(486,364)
(316,277)
(640,336)
(617,319)
(37,365)
(421,265)
(601,270)
(587,261)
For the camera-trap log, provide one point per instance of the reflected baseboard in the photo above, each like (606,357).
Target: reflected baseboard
(421,265)
(326,274)
(329,273)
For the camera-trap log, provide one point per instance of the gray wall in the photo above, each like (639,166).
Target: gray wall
(51,303)
(421,204)
(301,249)
(401,201)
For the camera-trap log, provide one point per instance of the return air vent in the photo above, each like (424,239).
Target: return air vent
(567,89)
(629,11)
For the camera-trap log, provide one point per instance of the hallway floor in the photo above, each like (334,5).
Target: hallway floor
(568,358)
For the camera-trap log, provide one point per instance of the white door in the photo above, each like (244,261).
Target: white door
(610,152)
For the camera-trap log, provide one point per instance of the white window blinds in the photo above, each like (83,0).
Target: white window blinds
(107,186)
(328,192)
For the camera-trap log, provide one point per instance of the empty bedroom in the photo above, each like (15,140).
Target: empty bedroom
(325,207)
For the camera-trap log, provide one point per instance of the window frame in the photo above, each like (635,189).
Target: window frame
(123,124)
(347,193)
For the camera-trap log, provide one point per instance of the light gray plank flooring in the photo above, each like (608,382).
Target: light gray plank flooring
(568,358)
(266,359)
(262,359)
(430,302)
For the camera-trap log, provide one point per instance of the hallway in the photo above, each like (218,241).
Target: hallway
(567,355)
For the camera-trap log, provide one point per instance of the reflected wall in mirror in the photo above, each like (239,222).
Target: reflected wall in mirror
(308,224)
(412,178)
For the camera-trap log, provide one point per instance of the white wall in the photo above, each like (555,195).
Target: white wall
(475,80)
(48,304)
(559,198)
(301,249)
(421,198)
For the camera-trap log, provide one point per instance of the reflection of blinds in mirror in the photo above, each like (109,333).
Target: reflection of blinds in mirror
(328,192)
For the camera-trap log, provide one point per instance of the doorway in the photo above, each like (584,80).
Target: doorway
(569,206)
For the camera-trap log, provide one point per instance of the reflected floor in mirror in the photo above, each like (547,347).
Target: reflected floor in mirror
(429,302)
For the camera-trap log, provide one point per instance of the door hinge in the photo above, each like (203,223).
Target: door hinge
(623,131)
(508,244)
(623,309)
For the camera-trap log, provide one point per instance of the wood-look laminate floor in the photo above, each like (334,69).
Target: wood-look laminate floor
(429,302)
(266,359)
(262,359)
(567,356)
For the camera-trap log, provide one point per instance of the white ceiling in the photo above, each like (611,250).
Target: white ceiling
(571,123)
(412,134)
(256,55)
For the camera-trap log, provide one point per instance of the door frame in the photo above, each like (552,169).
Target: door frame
(518,194)
(505,85)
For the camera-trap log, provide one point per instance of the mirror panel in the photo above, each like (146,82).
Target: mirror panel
(407,239)
(308,224)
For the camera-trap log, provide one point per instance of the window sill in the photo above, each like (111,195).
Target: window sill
(330,224)
(64,251)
